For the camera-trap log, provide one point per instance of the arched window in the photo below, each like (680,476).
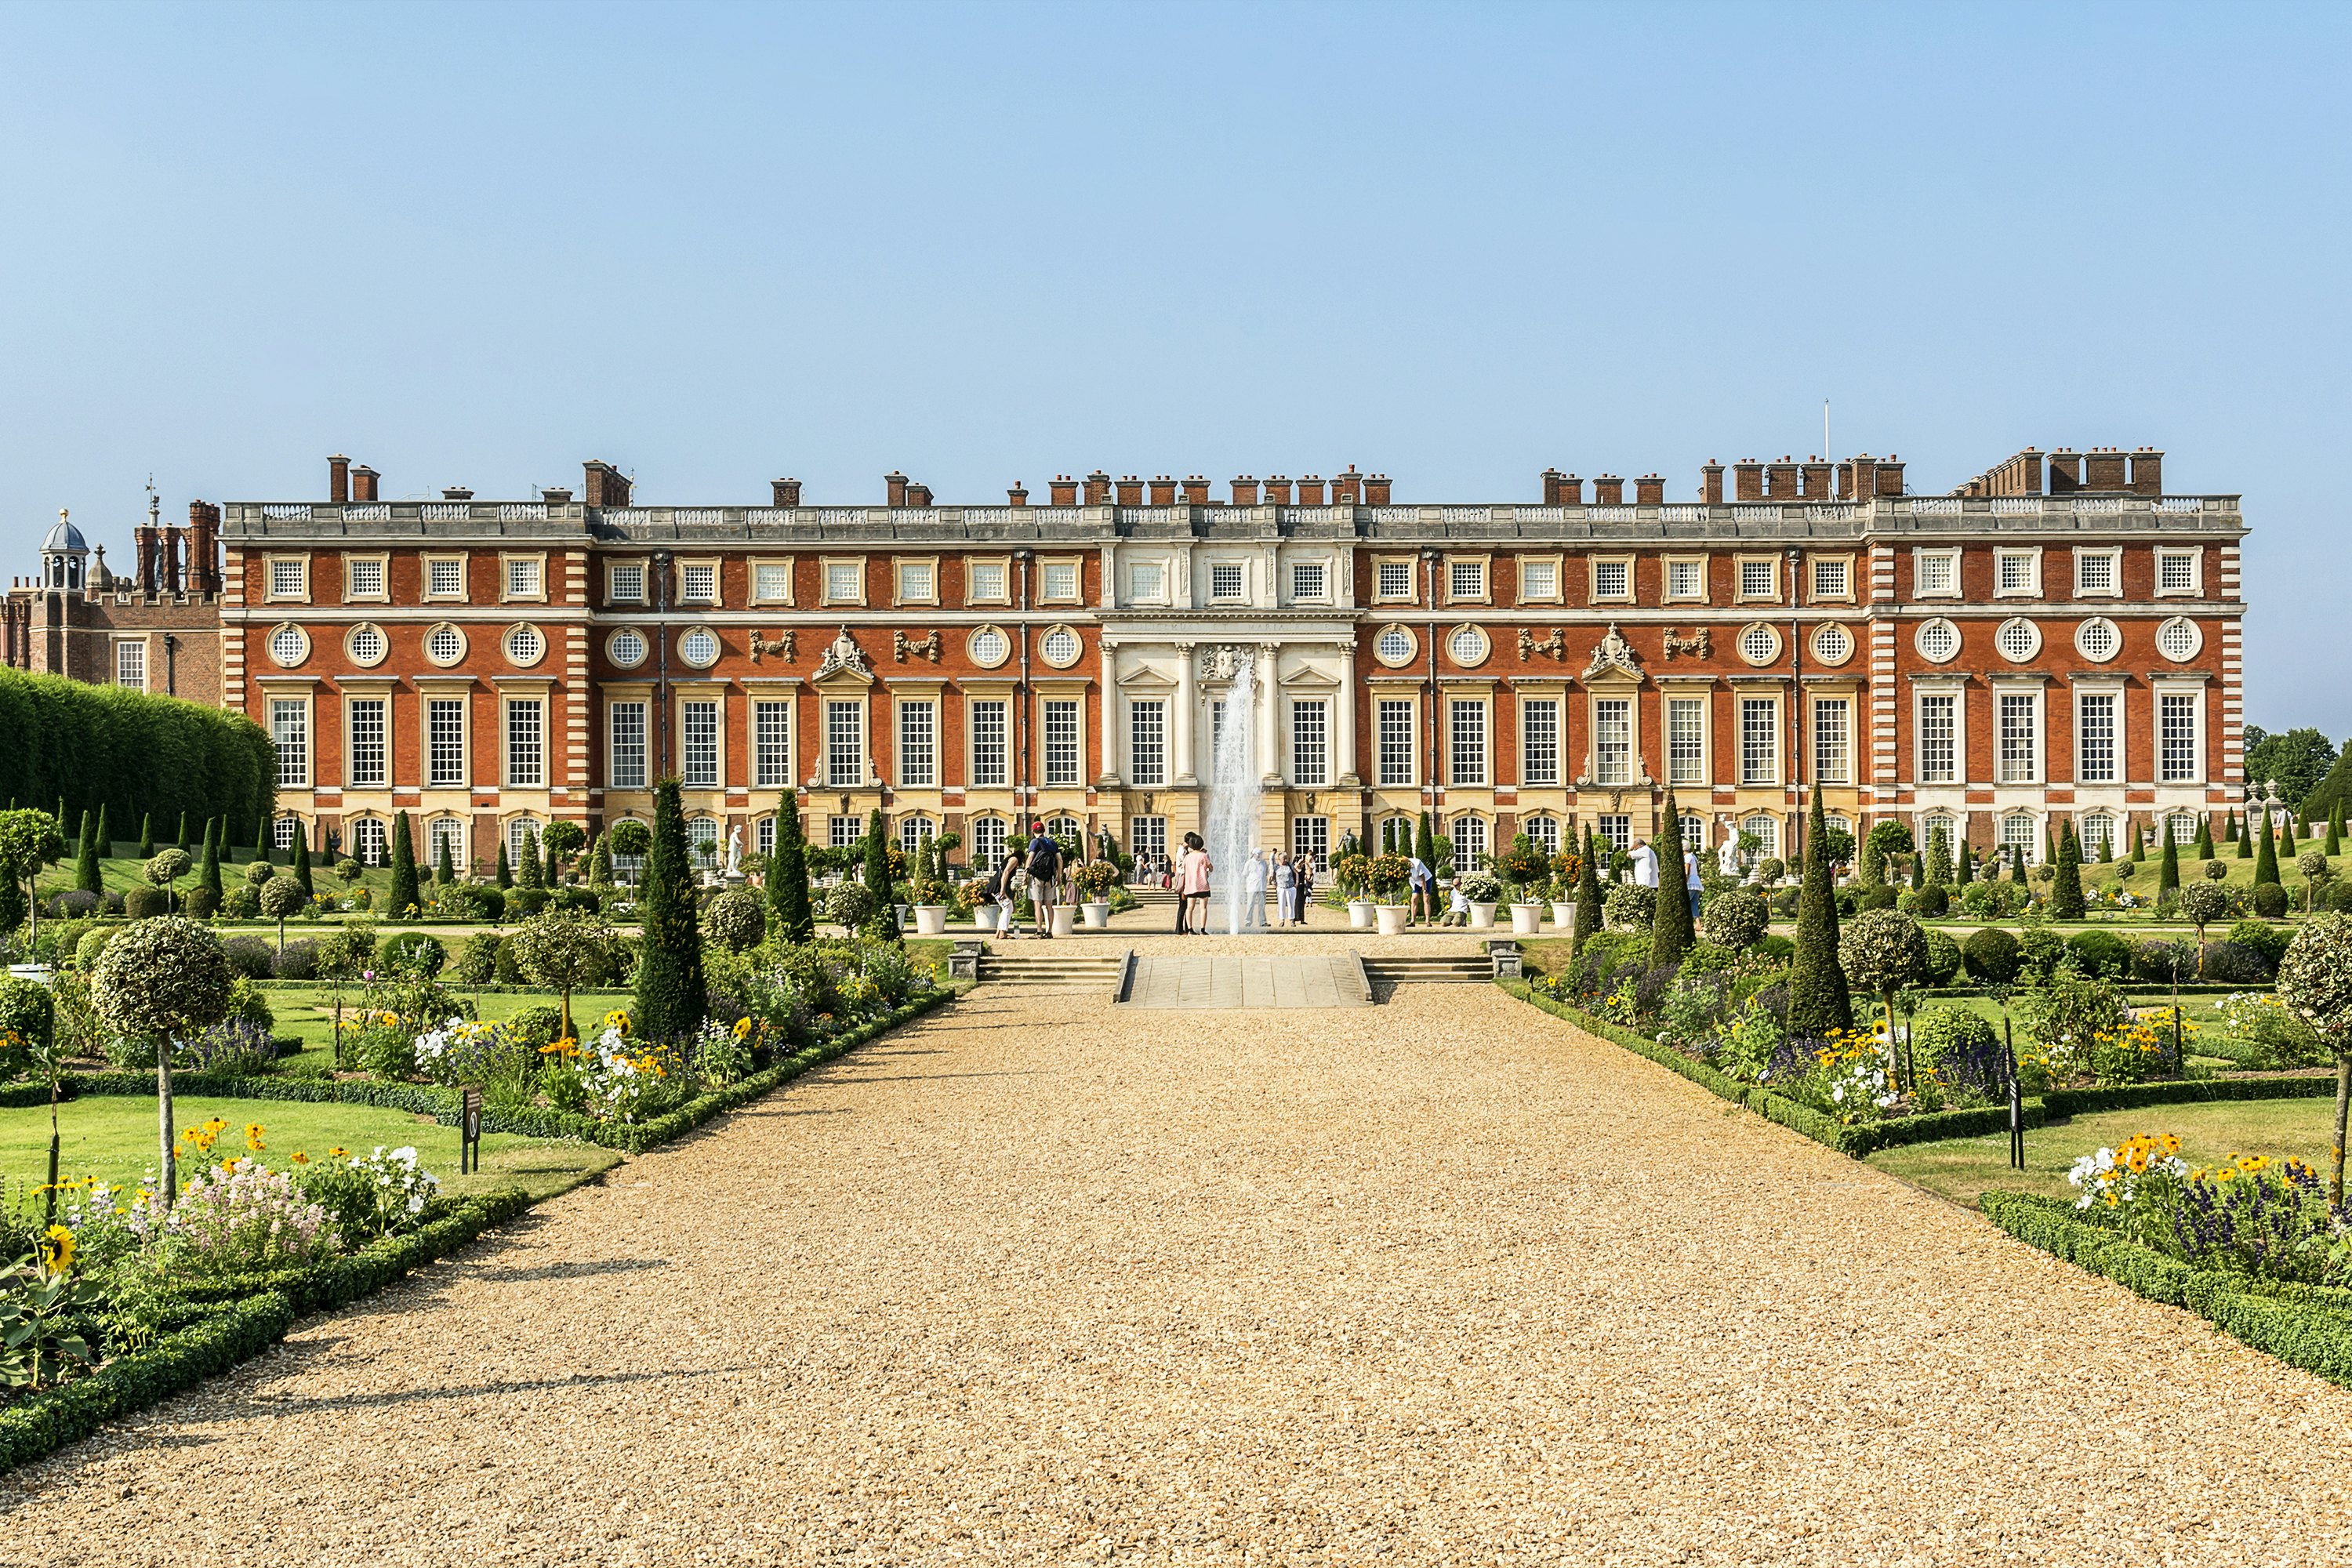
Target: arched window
(763,836)
(2184,828)
(629,867)
(2098,837)
(913,830)
(988,836)
(1396,835)
(522,839)
(1064,827)
(1543,832)
(702,841)
(1939,823)
(369,845)
(1767,828)
(2020,832)
(1469,836)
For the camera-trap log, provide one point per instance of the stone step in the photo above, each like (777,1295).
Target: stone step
(1426,968)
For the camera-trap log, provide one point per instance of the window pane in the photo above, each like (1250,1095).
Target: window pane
(445,725)
(445,579)
(1686,739)
(1610,579)
(844,745)
(698,744)
(1685,579)
(1612,741)
(1311,836)
(367,759)
(629,583)
(628,757)
(1468,579)
(526,764)
(367,578)
(987,579)
(914,580)
(2177,725)
(287,578)
(988,749)
(522,579)
(2019,740)
(2095,756)
(1145,580)
(1060,580)
(1832,742)
(700,582)
(1145,836)
(1540,743)
(1062,759)
(1934,574)
(1147,752)
(368,841)
(1306,579)
(771,582)
(918,751)
(1759,739)
(2176,571)
(1468,735)
(1396,580)
(843,581)
(1539,579)
(1756,579)
(1395,727)
(771,745)
(1226,580)
(1469,836)
(1310,752)
(1939,738)
(130,665)
(290,726)
(1830,579)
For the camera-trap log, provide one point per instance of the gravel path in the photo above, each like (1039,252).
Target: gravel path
(1440,1280)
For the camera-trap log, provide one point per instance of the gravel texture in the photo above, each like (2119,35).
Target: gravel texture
(1036,1280)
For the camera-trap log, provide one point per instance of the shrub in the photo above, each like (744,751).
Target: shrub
(299,960)
(524,902)
(2156,959)
(248,1001)
(28,1012)
(2040,951)
(1733,919)
(258,873)
(1881,898)
(202,903)
(849,906)
(2270,901)
(735,918)
(536,1025)
(1629,908)
(146,903)
(1935,900)
(2102,953)
(74,905)
(1786,902)
(477,962)
(1963,1048)
(250,956)
(1943,958)
(2230,964)
(1884,952)
(373,1196)
(462,901)
(1990,954)
(90,945)
(413,953)
(2263,937)
(241,902)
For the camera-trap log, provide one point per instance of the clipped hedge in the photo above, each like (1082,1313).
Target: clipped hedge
(38,1425)
(132,751)
(2306,1328)
(2191,1091)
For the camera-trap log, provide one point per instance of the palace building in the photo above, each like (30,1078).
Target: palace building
(156,630)
(2055,637)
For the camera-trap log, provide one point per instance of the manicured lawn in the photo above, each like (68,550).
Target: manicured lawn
(113,1137)
(308,1011)
(1961,1168)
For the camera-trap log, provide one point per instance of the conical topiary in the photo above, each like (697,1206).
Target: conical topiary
(2285,836)
(2167,875)
(2334,844)
(505,867)
(2245,837)
(670,996)
(1670,922)
(2229,836)
(87,878)
(183,833)
(788,883)
(2066,886)
(302,861)
(528,869)
(2139,847)
(208,873)
(1588,893)
(261,839)
(147,836)
(1819,999)
(444,865)
(876,872)
(1967,864)
(105,835)
(404,897)
(2266,854)
(2204,837)
(2017,864)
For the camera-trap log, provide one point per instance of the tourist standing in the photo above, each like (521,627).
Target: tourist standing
(1005,887)
(1194,881)
(1424,887)
(1285,890)
(1045,871)
(1690,882)
(1645,864)
(1254,879)
(1306,888)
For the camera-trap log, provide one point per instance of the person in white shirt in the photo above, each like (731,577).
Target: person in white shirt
(1691,883)
(1645,864)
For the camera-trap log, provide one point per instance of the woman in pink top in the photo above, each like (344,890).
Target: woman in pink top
(1193,873)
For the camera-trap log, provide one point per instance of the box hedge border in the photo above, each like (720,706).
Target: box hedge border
(254,1311)
(2303,1326)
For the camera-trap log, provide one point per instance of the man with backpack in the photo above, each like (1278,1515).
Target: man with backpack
(1044,876)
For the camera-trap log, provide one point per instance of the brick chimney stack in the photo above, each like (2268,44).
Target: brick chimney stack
(918,496)
(1710,483)
(1649,491)
(1376,490)
(2065,472)
(339,479)
(2148,472)
(1163,490)
(1310,490)
(1277,490)
(1816,475)
(364,484)
(1747,479)
(204,553)
(1196,490)
(1865,469)
(1099,488)
(2103,469)
(1780,479)
(1347,489)
(1131,490)
(1888,474)
(1552,478)
(456,492)
(1064,489)
(604,485)
(1608,489)
(146,537)
(894,489)
(1245,490)
(785,493)
(1016,496)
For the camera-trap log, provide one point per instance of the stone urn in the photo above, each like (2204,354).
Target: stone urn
(1065,919)
(1359,914)
(1392,917)
(931,920)
(1482,917)
(1098,916)
(1527,920)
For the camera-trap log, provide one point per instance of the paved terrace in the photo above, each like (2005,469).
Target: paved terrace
(1041,1279)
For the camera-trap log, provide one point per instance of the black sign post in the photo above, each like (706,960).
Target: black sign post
(469,1132)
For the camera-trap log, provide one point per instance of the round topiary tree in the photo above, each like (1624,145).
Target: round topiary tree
(1735,919)
(1990,955)
(850,905)
(280,897)
(736,919)
(166,869)
(562,840)
(2202,904)
(157,980)
(2316,874)
(566,949)
(2315,983)
(1883,951)
(258,873)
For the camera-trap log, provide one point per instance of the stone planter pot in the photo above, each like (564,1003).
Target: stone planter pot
(1098,916)
(905,915)
(984,917)
(1359,914)
(1392,917)
(1482,917)
(1563,914)
(1065,919)
(931,920)
(1527,920)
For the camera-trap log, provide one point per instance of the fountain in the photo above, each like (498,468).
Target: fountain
(1233,780)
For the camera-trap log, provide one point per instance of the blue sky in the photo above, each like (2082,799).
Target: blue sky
(1456,243)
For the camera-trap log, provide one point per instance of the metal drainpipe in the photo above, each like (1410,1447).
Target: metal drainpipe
(171,665)
(1021,705)
(661,681)
(1429,558)
(1797,706)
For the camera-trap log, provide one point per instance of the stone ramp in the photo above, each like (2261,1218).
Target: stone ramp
(1202,981)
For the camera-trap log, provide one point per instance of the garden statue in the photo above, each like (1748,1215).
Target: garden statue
(735,854)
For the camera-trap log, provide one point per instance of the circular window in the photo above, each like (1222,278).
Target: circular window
(1759,644)
(2098,639)
(365,645)
(525,646)
(2018,640)
(445,644)
(699,647)
(1394,645)
(626,647)
(1466,647)
(1938,641)
(2178,639)
(989,648)
(1059,648)
(1833,644)
(289,646)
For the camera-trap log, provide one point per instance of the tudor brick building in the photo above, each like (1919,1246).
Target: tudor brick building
(2055,637)
(155,630)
